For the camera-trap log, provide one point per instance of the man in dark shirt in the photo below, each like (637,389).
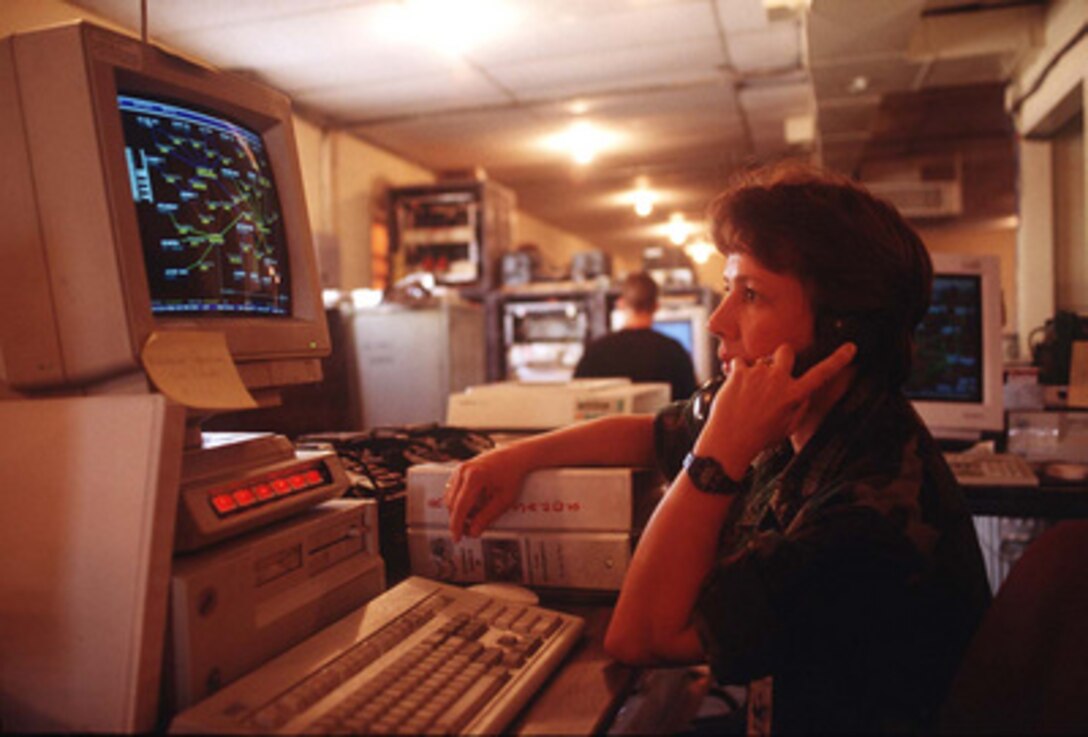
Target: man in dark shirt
(638,351)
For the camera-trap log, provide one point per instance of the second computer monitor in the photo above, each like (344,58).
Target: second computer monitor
(956,383)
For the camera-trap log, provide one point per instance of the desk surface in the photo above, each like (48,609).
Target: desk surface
(1054,502)
(583,696)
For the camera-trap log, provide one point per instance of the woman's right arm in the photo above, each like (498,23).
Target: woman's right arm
(482,488)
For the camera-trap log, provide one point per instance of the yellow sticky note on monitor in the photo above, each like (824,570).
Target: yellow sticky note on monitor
(194,368)
(1078,374)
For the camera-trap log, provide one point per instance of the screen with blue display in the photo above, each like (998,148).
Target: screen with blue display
(948,360)
(678,330)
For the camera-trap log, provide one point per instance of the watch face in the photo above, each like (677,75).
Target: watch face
(708,471)
(708,475)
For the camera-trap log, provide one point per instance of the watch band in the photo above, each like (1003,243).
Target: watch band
(708,476)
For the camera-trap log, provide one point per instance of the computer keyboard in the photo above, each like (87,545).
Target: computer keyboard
(975,468)
(423,657)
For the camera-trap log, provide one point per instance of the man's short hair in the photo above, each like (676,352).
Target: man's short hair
(639,292)
(856,256)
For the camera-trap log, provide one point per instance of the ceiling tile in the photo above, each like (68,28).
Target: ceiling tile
(848,115)
(777,46)
(967,70)
(356,37)
(462,88)
(648,66)
(492,137)
(890,74)
(741,15)
(843,29)
(777,100)
(192,15)
(627,25)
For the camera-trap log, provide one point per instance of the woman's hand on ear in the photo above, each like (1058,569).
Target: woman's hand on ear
(761,403)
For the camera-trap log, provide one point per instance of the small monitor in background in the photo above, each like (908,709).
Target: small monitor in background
(679,330)
(948,343)
(956,381)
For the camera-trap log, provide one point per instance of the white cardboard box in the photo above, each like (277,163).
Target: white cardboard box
(571,528)
(544,405)
(564,499)
(595,561)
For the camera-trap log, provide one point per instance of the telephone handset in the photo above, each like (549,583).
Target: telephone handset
(700,403)
(831,332)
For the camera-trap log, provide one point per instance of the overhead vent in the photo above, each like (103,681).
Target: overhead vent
(920,188)
(921,199)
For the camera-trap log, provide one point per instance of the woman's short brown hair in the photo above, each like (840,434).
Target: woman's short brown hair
(856,256)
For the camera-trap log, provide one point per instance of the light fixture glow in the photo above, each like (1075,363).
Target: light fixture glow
(644,202)
(699,250)
(582,141)
(578,107)
(858,85)
(678,229)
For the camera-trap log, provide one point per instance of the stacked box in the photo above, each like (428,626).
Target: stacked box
(571,528)
(514,405)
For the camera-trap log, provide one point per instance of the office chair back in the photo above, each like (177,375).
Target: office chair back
(1026,670)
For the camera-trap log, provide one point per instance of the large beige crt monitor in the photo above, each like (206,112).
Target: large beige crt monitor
(144,199)
(142,193)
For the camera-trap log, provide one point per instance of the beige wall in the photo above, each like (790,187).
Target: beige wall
(1070,246)
(360,176)
(557,246)
(710,273)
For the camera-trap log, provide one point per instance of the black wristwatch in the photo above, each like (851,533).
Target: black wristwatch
(707,475)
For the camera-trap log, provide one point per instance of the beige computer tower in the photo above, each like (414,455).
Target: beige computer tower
(238,604)
(407,361)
